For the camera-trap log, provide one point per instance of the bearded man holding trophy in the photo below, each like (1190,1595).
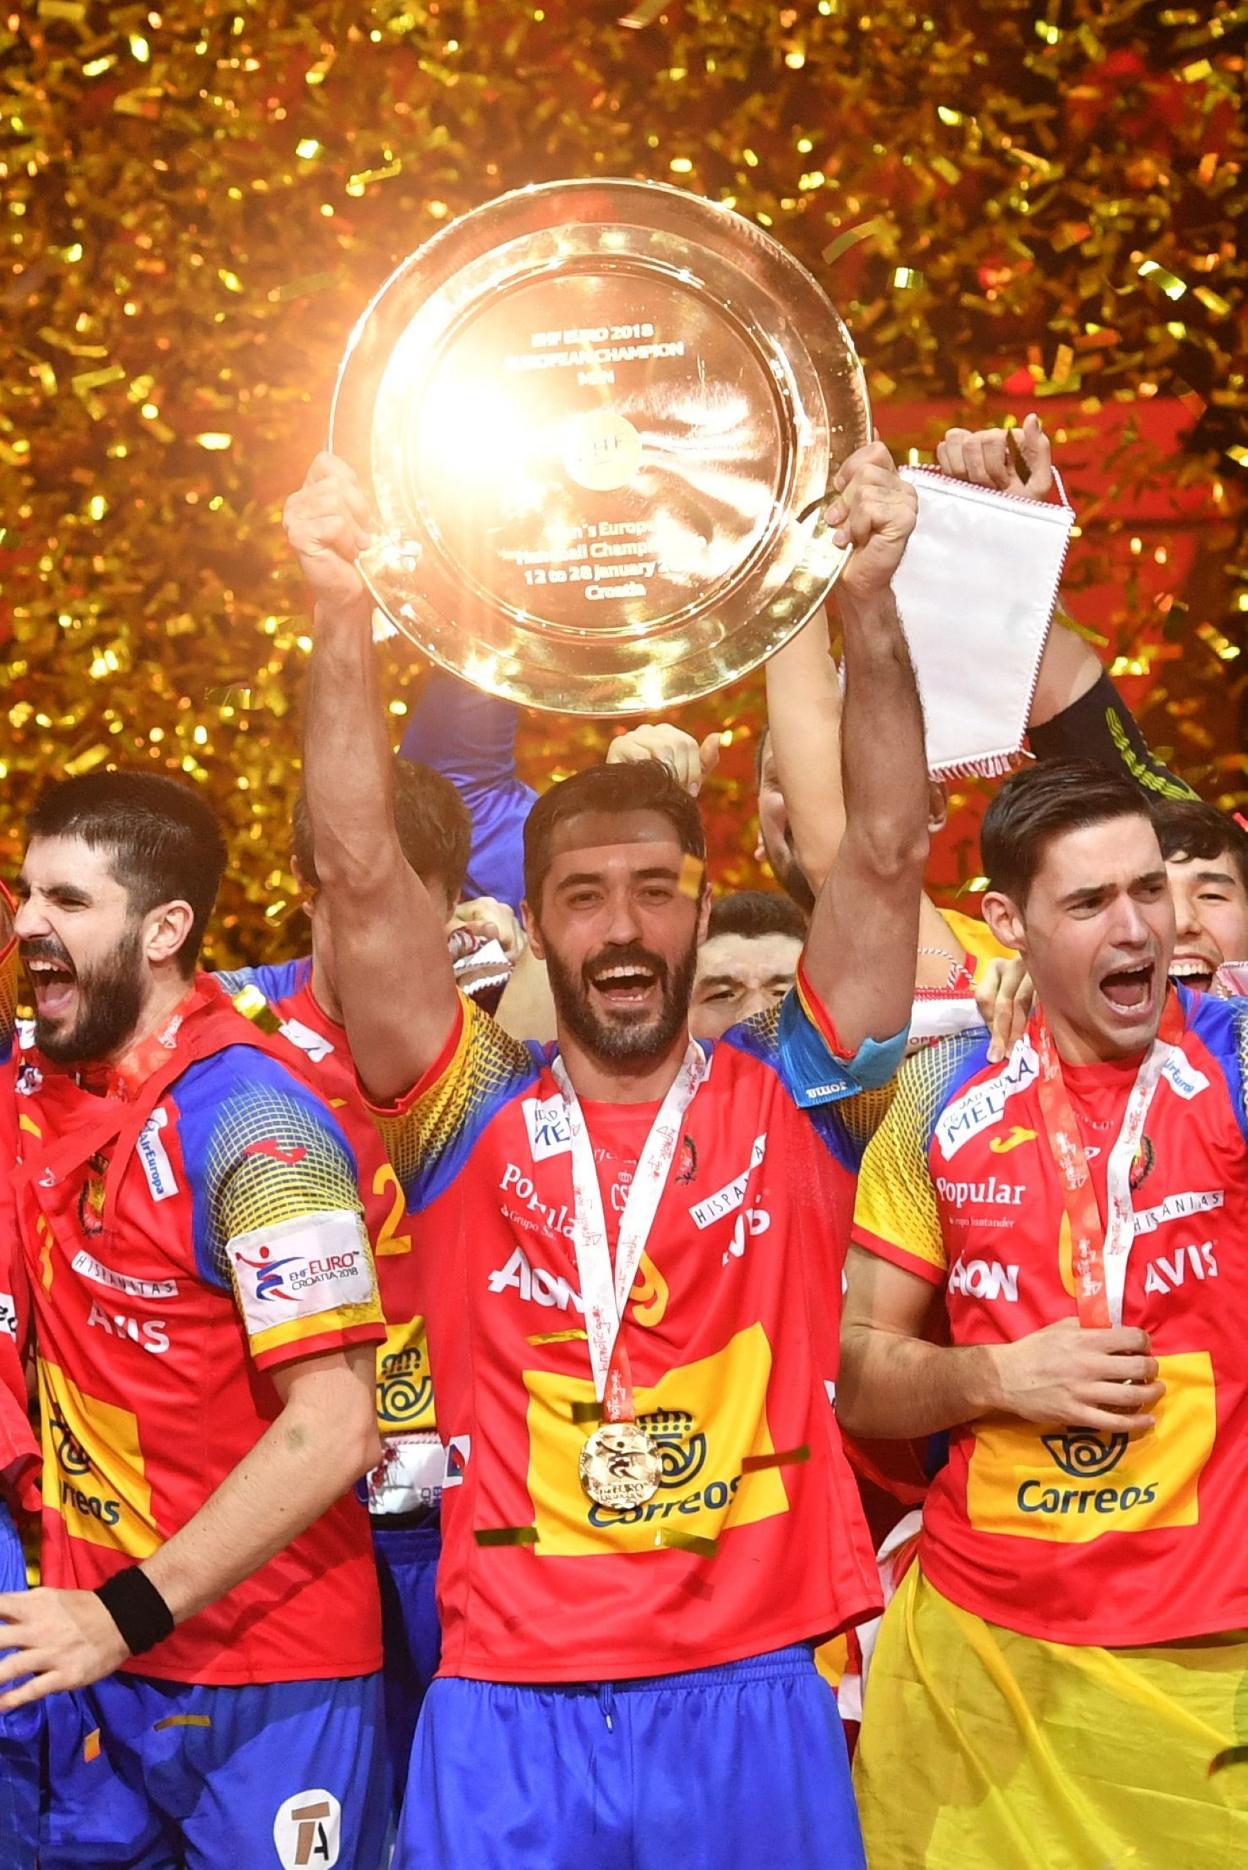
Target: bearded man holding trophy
(602,447)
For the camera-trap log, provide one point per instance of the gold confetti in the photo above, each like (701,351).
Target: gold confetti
(506,1535)
(1212,300)
(692,876)
(844,242)
(96,379)
(173,300)
(679,1541)
(1170,284)
(790,1457)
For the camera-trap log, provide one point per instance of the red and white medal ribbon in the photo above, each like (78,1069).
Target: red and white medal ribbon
(1099,1255)
(604,1294)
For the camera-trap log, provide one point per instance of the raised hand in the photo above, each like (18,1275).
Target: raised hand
(689,763)
(1005,994)
(874,511)
(985,457)
(327,523)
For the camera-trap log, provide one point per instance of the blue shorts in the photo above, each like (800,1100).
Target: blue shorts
(736,1768)
(172,1776)
(407,1571)
(20,1735)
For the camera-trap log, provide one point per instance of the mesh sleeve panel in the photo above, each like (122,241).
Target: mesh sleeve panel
(486,1067)
(896,1201)
(272,1156)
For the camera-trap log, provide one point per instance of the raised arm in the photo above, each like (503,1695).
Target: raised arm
(390,956)
(860,953)
(804,727)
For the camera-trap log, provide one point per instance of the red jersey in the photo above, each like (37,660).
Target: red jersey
(410,1473)
(184,1234)
(755,1538)
(19,1451)
(1070,1534)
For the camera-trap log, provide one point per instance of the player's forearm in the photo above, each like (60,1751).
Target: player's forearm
(1089,720)
(804,723)
(302,1464)
(893,1387)
(392,973)
(347,766)
(860,954)
(1069,667)
(884,756)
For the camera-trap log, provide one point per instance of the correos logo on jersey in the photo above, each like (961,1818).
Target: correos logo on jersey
(708,1421)
(1072,1485)
(307,1831)
(93,1469)
(404,1386)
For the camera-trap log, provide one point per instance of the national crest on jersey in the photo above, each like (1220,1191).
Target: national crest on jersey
(405,1396)
(1071,1534)
(754,1537)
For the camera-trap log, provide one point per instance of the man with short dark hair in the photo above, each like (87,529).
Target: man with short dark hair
(632,1247)
(206,1313)
(1060,1677)
(748,961)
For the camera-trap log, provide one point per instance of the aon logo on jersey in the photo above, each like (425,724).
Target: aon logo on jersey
(984,1279)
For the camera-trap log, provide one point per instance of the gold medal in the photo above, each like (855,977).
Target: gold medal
(619,1466)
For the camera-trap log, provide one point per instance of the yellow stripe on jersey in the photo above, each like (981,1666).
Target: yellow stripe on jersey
(896,1205)
(273,1158)
(315,1325)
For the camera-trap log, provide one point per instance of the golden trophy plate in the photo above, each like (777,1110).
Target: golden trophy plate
(596,420)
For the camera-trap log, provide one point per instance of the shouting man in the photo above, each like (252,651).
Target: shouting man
(1060,1678)
(206,1316)
(632,1247)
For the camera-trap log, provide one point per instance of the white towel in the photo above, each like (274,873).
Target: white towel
(976,590)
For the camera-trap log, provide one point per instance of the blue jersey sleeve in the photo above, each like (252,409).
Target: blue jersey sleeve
(470,738)
(844,1098)
(276,982)
(1223,1026)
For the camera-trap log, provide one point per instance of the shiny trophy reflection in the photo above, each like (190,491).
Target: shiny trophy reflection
(596,420)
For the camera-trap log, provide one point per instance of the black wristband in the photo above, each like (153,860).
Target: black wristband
(137,1608)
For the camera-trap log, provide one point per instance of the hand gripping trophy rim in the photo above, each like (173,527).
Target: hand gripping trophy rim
(747,397)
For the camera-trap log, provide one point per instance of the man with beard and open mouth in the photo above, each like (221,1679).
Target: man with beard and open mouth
(205,1316)
(648,1517)
(1077,1213)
